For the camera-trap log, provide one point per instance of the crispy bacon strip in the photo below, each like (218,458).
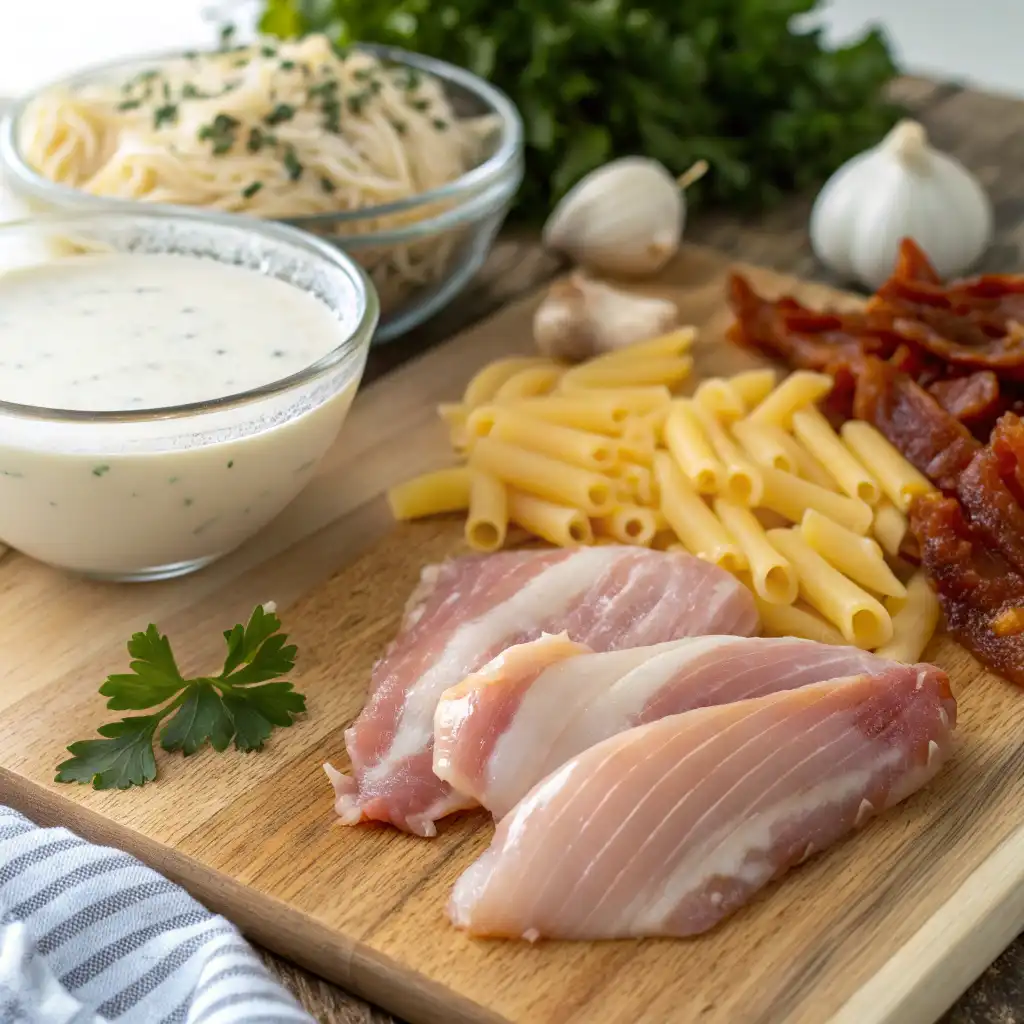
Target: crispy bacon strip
(977,588)
(975,400)
(991,488)
(932,440)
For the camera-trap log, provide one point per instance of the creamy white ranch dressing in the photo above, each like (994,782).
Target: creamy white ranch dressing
(159,496)
(125,332)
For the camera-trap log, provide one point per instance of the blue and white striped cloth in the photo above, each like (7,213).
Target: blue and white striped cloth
(88,935)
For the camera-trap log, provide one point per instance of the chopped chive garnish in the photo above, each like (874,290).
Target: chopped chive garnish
(167,114)
(292,164)
(281,113)
(439,124)
(327,185)
(251,189)
(129,105)
(420,105)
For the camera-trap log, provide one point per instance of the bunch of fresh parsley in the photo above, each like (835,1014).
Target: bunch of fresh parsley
(240,703)
(739,83)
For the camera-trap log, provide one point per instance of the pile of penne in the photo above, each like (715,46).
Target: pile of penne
(747,473)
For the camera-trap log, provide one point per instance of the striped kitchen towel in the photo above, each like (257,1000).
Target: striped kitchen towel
(88,935)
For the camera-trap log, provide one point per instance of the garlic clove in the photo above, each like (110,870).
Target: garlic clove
(625,218)
(580,317)
(901,187)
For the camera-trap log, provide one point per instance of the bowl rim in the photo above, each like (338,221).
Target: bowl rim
(354,345)
(485,173)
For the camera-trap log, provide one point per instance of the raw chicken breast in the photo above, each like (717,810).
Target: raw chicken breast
(468,610)
(537,704)
(669,827)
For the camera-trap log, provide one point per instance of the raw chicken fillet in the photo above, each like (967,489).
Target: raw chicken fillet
(538,704)
(468,610)
(667,828)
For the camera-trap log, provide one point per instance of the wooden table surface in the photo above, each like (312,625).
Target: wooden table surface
(986,132)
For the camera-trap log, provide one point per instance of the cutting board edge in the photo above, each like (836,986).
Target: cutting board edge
(926,976)
(364,972)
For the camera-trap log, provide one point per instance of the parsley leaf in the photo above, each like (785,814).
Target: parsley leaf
(244,703)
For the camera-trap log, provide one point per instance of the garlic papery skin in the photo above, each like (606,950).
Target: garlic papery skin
(901,188)
(580,317)
(624,219)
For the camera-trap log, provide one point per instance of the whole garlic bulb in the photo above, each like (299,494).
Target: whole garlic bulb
(902,187)
(579,318)
(625,218)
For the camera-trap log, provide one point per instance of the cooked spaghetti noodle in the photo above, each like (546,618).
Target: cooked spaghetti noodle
(273,130)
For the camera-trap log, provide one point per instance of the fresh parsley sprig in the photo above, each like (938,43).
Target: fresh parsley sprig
(243,703)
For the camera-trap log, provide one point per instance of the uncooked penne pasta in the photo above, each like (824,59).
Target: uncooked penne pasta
(815,433)
(797,620)
(638,401)
(858,557)
(700,530)
(591,411)
(753,386)
(640,482)
(798,390)
(791,497)
(691,450)
(543,476)
(772,577)
(528,383)
(766,445)
(485,383)
(667,371)
(628,524)
(487,522)
(890,527)
(914,620)
(859,617)
(561,525)
(900,481)
(721,399)
(742,481)
(591,451)
(444,490)
(672,345)
(638,441)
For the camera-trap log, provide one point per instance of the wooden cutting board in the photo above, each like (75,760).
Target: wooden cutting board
(889,926)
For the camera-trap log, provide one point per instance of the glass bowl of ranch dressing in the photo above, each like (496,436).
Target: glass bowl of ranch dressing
(168,383)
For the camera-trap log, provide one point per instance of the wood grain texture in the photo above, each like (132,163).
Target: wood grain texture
(878,931)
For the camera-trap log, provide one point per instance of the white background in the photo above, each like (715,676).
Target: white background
(976,40)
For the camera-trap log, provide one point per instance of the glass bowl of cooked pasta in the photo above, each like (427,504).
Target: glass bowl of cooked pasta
(407,163)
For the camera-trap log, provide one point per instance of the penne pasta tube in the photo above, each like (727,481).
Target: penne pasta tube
(543,476)
(485,383)
(528,383)
(753,386)
(858,616)
(629,524)
(684,438)
(638,401)
(487,522)
(742,482)
(798,390)
(664,539)
(796,620)
(672,345)
(889,527)
(638,442)
(444,490)
(721,399)
(454,414)
(766,446)
(699,529)
(815,433)
(858,557)
(560,525)
(772,577)
(915,618)
(593,412)
(591,451)
(665,371)
(900,481)
(640,482)
(791,497)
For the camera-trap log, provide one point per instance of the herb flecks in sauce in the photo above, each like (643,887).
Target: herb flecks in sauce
(100,470)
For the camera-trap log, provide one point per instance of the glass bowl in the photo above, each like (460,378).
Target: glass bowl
(438,240)
(157,493)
